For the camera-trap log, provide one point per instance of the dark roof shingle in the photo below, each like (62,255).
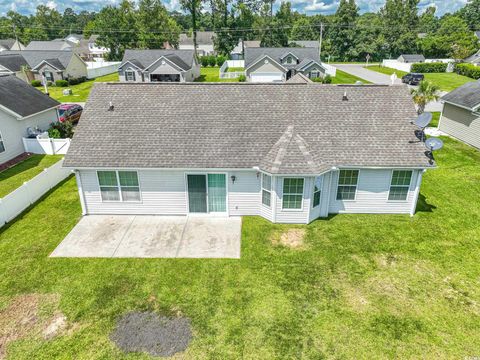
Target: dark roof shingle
(13,62)
(467,95)
(284,128)
(252,55)
(144,58)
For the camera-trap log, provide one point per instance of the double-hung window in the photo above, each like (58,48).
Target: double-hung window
(347,184)
(129,75)
(314,74)
(292,193)
(317,191)
(266,190)
(2,145)
(400,185)
(119,185)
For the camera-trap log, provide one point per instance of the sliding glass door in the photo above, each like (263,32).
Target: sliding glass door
(217,193)
(207,193)
(197,193)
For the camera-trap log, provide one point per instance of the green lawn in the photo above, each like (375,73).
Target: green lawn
(211,74)
(446,81)
(344,78)
(435,118)
(363,287)
(235,69)
(80,91)
(13,177)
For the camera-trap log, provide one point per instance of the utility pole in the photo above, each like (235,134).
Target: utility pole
(320,43)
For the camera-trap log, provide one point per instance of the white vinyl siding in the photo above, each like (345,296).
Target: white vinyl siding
(461,124)
(244,194)
(2,144)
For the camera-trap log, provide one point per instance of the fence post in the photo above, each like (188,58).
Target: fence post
(3,216)
(25,146)
(52,146)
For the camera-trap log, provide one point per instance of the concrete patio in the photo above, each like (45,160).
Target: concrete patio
(125,236)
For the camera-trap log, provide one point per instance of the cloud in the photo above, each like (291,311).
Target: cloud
(51,4)
(321,6)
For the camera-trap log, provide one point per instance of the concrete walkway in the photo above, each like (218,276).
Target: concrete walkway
(125,236)
(369,75)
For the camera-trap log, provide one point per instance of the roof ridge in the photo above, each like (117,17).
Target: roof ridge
(283,142)
(303,146)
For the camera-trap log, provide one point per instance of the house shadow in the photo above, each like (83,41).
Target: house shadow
(201,78)
(21,166)
(423,205)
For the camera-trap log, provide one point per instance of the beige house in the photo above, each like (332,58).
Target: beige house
(11,44)
(461,113)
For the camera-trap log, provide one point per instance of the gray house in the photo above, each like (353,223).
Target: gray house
(474,59)
(461,113)
(412,58)
(21,107)
(14,64)
(11,44)
(159,66)
(205,42)
(280,64)
(272,150)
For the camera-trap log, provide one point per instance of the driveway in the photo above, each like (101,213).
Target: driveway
(125,236)
(372,76)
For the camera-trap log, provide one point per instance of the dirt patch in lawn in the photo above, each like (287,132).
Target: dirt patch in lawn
(30,315)
(151,333)
(292,238)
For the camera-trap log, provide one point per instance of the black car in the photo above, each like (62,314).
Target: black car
(413,78)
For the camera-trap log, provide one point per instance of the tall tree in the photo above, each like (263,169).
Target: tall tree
(343,37)
(471,14)
(302,29)
(194,8)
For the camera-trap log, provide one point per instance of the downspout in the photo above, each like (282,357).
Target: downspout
(80,192)
(332,172)
(417,192)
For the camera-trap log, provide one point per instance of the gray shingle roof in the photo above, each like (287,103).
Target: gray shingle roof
(305,43)
(413,57)
(474,59)
(22,98)
(467,95)
(55,63)
(203,38)
(7,43)
(35,57)
(299,78)
(254,54)
(12,62)
(144,58)
(55,45)
(285,128)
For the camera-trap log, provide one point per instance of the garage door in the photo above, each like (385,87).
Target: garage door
(266,77)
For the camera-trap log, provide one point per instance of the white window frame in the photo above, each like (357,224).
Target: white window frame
(132,73)
(283,192)
(316,72)
(356,186)
(407,186)
(49,72)
(3,143)
(269,191)
(318,191)
(119,188)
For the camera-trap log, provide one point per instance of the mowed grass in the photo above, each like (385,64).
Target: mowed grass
(362,287)
(445,81)
(435,118)
(344,78)
(14,177)
(212,74)
(80,92)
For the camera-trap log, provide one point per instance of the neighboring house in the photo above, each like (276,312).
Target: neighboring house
(96,51)
(11,44)
(304,43)
(474,59)
(14,64)
(54,65)
(289,153)
(251,43)
(51,45)
(409,59)
(205,42)
(159,66)
(461,113)
(299,79)
(237,52)
(21,107)
(280,64)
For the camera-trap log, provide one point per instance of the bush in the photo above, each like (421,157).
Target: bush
(36,83)
(204,61)
(242,78)
(468,70)
(327,79)
(54,133)
(61,83)
(212,60)
(65,129)
(220,60)
(75,81)
(429,68)
(49,83)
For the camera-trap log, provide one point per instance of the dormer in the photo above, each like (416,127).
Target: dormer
(289,58)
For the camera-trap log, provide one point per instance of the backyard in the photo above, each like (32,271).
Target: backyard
(80,92)
(446,81)
(360,286)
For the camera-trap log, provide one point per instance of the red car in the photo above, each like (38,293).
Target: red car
(69,112)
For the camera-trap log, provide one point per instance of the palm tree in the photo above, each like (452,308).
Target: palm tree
(426,92)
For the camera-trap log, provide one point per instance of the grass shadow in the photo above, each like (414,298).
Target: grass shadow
(423,205)
(201,78)
(22,166)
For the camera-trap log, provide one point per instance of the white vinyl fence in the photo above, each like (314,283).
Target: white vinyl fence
(225,74)
(394,64)
(21,198)
(47,145)
(330,70)
(100,68)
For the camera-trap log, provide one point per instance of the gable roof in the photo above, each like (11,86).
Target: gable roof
(52,62)
(145,58)
(474,59)
(12,62)
(466,96)
(203,38)
(251,43)
(48,45)
(22,98)
(252,55)
(412,57)
(35,57)
(299,78)
(281,128)
(7,43)
(305,43)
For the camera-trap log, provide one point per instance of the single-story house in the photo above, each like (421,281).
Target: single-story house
(461,113)
(280,64)
(304,43)
(205,42)
(53,64)
(474,59)
(409,59)
(238,50)
(11,44)
(51,45)
(14,64)
(21,107)
(159,66)
(290,153)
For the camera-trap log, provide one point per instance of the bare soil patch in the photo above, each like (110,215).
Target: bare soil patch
(292,238)
(151,333)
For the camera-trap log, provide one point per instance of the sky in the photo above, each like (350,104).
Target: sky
(303,6)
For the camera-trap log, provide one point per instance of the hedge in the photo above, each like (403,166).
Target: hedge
(36,83)
(468,70)
(61,83)
(75,81)
(435,67)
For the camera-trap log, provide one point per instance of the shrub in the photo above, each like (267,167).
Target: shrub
(327,79)
(75,81)
(204,61)
(54,133)
(65,129)
(49,83)
(61,83)
(429,67)
(468,70)
(36,83)
(220,60)
(317,79)
(242,78)
(212,60)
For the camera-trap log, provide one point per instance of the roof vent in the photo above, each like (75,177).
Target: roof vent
(110,106)
(345,98)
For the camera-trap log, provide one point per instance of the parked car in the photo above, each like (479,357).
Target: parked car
(69,112)
(413,78)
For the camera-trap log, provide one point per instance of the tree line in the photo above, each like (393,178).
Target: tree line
(347,35)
